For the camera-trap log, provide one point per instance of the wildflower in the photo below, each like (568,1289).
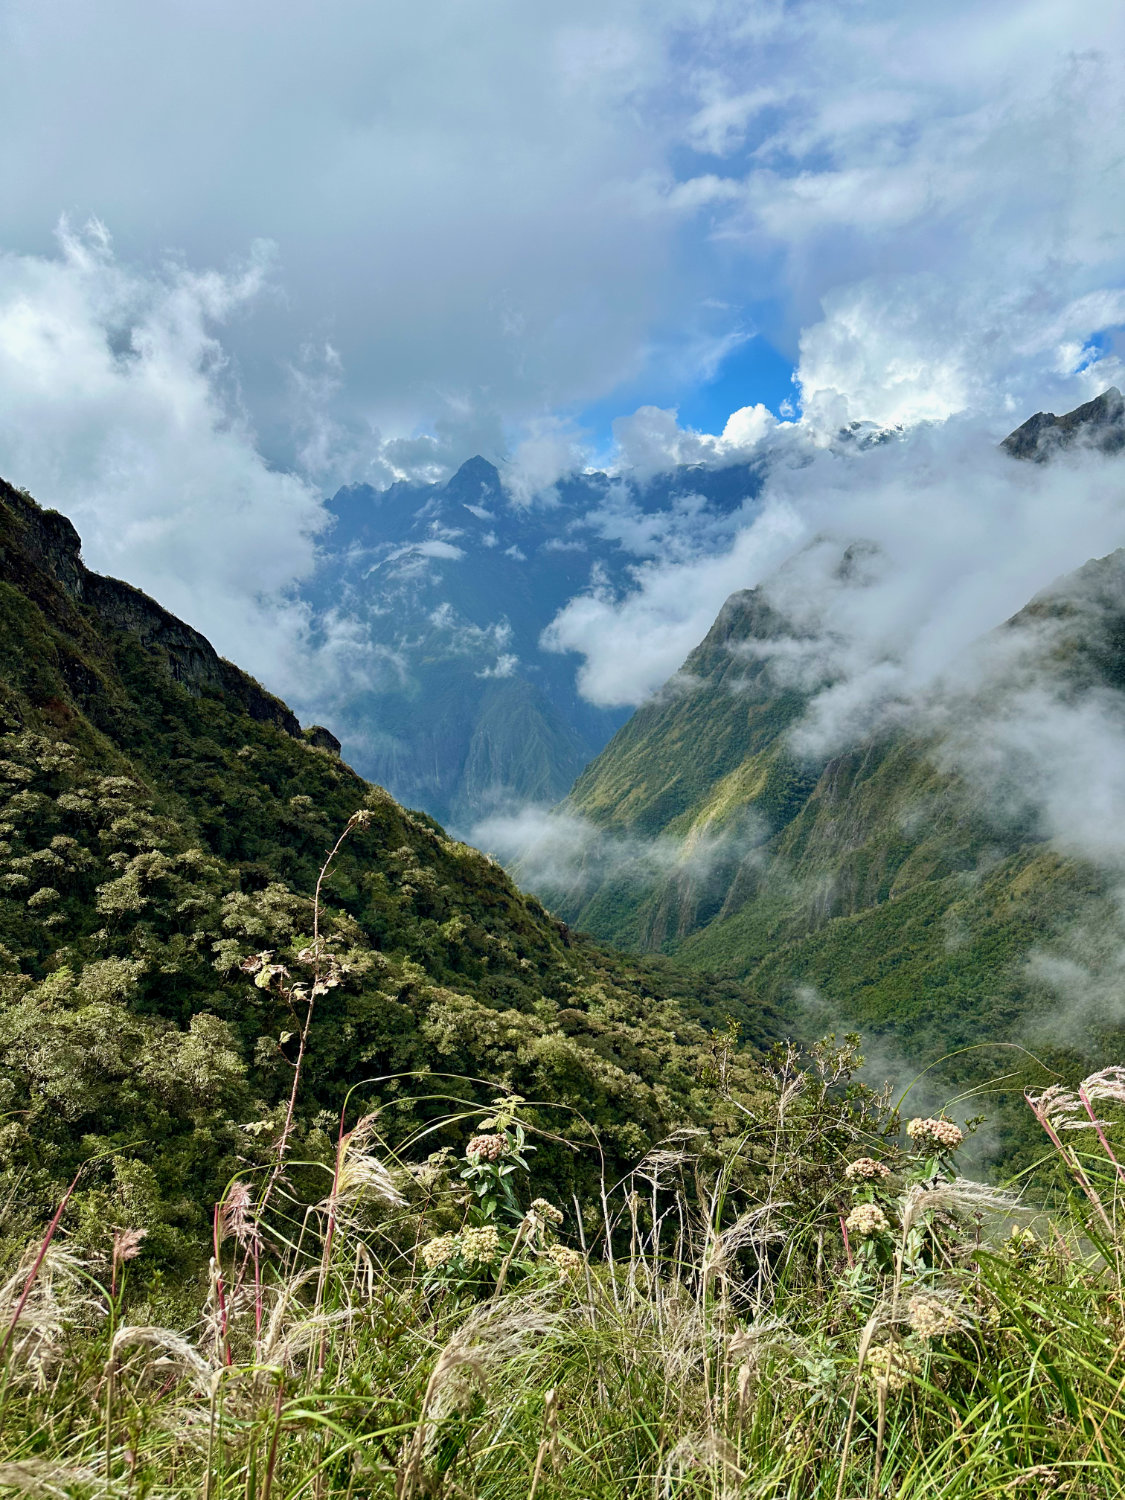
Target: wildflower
(437,1254)
(867,1168)
(481,1246)
(1022,1241)
(931,1318)
(486,1148)
(866,1218)
(941,1133)
(568,1262)
(547,1211)
(891,1367)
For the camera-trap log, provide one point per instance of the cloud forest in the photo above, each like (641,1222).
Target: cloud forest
(562,751)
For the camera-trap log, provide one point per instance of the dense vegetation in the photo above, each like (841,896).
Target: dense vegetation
(812,1311)
(877,887)
(163,821)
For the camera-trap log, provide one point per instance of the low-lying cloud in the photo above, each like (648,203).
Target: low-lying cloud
(567,857)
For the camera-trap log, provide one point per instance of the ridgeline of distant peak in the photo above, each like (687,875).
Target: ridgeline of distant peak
(1097,424)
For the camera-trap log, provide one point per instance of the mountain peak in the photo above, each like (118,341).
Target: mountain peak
(474,481)
(1096,424)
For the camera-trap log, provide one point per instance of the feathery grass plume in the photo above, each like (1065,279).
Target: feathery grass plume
(710,1453)
(751,1229)
(960,1195)
(492,1334)
(43,1477)
(40,1319)
(175,1351)
(361,1175)
(751,1345)
(236,1214)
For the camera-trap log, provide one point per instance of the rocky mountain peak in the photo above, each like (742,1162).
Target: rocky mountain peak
(476,482)
(1096,424)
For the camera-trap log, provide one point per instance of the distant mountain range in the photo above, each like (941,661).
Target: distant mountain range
(450,586)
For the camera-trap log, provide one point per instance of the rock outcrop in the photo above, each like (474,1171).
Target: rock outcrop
(48,541)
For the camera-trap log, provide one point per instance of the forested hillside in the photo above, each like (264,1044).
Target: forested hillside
(900,885)
(164,820)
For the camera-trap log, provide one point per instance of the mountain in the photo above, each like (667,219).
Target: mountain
(1097,424)
(163,819)
(907,885)
(445,589)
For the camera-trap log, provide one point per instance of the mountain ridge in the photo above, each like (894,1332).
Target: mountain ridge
(844,888)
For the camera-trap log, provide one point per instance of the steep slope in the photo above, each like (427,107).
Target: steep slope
(446,589)
(908,885)
(163,817)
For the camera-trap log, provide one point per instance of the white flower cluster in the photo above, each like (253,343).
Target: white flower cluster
(891,1366)
(941,1133)
(867,1169)
(486,1148)
(437,1254)
(546,1211)
(479,1247)
(567,1261)
(931,1318)
(866,1218)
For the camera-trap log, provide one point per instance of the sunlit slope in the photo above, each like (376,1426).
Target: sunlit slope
(881,886)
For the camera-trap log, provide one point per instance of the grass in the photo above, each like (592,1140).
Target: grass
(757,1321)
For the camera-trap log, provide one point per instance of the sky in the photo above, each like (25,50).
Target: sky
(250,253)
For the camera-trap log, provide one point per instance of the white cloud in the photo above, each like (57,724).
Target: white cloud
(562,854)
(651,441)
(117,406)
(454,203)
(504,666)
(965,534)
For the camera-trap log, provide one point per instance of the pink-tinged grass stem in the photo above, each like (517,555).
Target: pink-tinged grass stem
(39,1259)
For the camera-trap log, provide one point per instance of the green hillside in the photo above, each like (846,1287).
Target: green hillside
(877,888)
(163,818)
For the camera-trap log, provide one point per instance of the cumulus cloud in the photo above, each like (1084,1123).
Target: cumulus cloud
(651,441)
(117,405)
(456,205)
(961,536)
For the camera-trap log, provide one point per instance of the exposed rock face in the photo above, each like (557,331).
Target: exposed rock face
(51,541)
(322,738)
(1098,424)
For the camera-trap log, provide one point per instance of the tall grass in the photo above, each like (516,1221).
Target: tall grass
(799,1303)
(810,1310)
